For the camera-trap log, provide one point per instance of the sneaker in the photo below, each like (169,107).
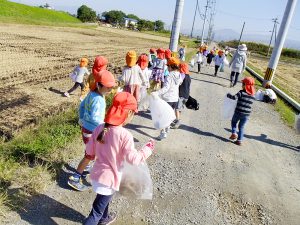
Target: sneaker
(76,183)
(167,129)
(233,136)
(239,143)
(162,135)
(173,123)
(176,125)
(88,168)
(109,219)
(67,94)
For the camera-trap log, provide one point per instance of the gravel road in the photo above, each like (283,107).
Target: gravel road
(199,176)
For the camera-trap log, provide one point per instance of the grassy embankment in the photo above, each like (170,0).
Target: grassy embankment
(11,12)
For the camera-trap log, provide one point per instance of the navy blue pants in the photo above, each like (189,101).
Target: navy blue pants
(99,210)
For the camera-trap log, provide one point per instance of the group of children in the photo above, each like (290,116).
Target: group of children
(108,143)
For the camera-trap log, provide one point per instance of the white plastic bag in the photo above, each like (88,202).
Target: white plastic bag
(136,181)
(228,109)
(192,63)
(144,99)
(226,63)
(259,95)
(73,76)
(161,112)
(297,123)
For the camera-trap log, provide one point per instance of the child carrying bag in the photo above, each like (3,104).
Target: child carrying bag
(228,108)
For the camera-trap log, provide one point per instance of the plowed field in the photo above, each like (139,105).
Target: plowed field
(36,61)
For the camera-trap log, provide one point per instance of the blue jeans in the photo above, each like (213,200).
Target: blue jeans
(99,210)
(242,119)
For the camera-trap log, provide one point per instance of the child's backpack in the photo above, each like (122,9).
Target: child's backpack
(192,103)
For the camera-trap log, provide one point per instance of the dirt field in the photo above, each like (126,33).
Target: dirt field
(286,76)
(35,63)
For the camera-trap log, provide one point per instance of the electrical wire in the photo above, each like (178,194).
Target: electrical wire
(239,16)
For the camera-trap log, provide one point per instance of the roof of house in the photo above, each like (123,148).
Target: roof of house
(130,19)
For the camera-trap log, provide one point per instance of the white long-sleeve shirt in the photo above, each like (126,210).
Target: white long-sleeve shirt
(132,75)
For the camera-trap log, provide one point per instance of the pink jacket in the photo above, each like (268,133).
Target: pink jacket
(109,157)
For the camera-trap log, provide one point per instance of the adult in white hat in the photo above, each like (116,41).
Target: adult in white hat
(238,64)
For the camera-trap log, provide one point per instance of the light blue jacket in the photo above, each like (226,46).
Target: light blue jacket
(92,111)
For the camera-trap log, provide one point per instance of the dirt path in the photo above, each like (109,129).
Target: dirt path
(199,176)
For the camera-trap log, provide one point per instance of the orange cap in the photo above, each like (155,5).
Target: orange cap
(160,53)
(106,78)
(168,53)
(100,63)
(143,61)
(84,62)
(118,112)
(184,68)
(131,58)
(173,61)
(249,85)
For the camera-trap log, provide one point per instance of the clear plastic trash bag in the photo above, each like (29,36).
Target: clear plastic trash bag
(228,108)
(226,63)
(259,95)
(144,99)
(162,113)
(136,181)
(192,63)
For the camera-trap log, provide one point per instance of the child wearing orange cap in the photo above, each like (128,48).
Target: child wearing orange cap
(184,93)
(79,72)
(245,98)
(146,73)
(132,75)
(91,114)
(170,90)
(219,60)
(110,145)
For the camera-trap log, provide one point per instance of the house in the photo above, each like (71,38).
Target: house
(130,21)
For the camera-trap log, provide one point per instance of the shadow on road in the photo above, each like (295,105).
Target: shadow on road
(203,133)
(211,75)
(41,209)
(206,81)
(264,138)
(136,128)
(56,91)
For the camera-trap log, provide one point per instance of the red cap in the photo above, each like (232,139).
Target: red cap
(184,68)
(118,112)
(168,53)
(249,85)
(100,63)
(106,78)
(143,61)
(160,53)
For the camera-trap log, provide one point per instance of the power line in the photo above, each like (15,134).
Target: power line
(240,16)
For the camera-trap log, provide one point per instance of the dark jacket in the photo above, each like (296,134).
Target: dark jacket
(184,88)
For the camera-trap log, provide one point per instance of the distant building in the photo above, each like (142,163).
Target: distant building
(130,21)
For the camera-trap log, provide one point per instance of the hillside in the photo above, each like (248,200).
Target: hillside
(11,12)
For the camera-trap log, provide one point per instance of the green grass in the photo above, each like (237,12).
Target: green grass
(11,12)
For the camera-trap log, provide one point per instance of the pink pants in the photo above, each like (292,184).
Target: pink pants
(134,90)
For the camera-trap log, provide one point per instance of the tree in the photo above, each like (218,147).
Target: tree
(86,14)
(114,17)
(145,25)
(159,25)
(132,16)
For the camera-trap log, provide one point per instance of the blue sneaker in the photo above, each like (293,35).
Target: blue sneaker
(109,219)
(76,183)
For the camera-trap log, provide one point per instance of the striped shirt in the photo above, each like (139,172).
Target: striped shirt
(244,102)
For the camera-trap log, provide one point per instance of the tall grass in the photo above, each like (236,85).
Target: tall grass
(11,12)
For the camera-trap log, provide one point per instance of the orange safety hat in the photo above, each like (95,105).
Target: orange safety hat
(249,85)
(173,61)
(161,53)
(131,58)
(152,50)
(184,68)
(118,112)
(100,63)
(220,52)
(143,61)
(168,53)
(106,78)
(84,62)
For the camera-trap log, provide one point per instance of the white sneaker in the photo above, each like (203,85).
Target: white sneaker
(162,135)
(67,94)
(167,129)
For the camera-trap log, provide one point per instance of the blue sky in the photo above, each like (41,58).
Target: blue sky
(230,14)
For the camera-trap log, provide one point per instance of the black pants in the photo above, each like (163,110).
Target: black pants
(76,85)
(199,67)
(216,69)
(235,76)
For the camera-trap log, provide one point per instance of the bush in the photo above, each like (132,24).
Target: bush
(86,14)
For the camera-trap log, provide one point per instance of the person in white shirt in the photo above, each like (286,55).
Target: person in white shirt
(219,60)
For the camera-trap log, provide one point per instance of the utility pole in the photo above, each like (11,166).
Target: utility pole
(194,18)
(211,21)
(274,29)
(284,26)
(241,34)
(176,25)
(204,21)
